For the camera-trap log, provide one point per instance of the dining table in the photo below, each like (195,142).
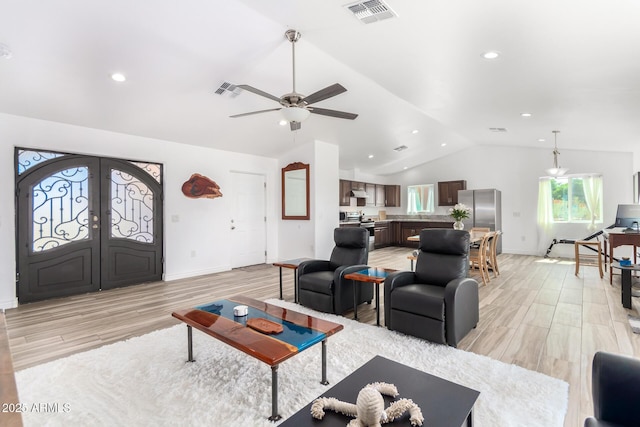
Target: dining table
(474,237)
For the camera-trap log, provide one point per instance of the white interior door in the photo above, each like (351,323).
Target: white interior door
(248,221)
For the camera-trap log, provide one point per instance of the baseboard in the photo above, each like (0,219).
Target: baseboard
(195,273)
(8,303)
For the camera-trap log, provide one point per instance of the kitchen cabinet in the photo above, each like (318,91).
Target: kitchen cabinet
(392,195)
(345,192)
(378,195)
(382,232)
(448,192)
(371,194)
(413,228)
(381,196)
(356,185)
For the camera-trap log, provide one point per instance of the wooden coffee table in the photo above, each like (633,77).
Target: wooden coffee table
(443,403)
(300,332)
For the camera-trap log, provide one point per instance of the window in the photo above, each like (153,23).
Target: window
(576,198)
(420,199)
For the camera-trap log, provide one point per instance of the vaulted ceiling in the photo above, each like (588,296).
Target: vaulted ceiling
(573,65)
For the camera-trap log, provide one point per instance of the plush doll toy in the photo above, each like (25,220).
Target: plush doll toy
(369,408)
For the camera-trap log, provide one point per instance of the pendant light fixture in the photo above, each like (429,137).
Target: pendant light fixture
(556,170)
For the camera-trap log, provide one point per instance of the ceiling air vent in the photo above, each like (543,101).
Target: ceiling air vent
(502,130)
(400,148)
(371,11)
(227,87)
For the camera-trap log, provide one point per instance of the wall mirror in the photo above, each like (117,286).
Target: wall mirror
(295,191)
(420,199)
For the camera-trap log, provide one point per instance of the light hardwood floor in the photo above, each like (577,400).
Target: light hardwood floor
(536,314)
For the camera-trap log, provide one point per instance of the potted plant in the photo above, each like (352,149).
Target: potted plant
(459,212)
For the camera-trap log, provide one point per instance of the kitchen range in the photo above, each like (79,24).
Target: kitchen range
(358,218)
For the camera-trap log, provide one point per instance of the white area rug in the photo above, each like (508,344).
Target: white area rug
(146,381)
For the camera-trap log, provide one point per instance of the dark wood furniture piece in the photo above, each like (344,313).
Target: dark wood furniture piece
(216,319)
(443,403)
(613,240)
(448,192)
(383,234)
(392,195)
(292,264)
(407,229)
(625,281)
(295,191)
(379,195)
(373,275)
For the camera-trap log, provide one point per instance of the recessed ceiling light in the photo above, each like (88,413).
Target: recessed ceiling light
(118,77)
(492,54)
(444,144)
(406,167)
(283,122)
(525,114)
(371,156)
(415,131)
(541,140)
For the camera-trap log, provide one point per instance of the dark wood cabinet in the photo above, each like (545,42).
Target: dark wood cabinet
(381,195)
(448,192)
(392,195)
(383,232)
(378,195)
(408,229)
(345,192)
(371,194)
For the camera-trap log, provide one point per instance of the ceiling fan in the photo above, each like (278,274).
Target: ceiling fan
(295,106)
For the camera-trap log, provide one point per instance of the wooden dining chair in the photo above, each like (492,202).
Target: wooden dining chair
(492,260)
(478,230)
(478,257)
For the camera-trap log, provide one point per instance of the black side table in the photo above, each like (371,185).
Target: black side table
(626,281)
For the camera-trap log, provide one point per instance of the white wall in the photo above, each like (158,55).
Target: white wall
(199,227)
(515,171)
(313,238)
(327,193)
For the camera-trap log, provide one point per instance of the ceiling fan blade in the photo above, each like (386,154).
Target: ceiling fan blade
(332,113)
(254,112)
(259,92)
(295,125)
(322,94)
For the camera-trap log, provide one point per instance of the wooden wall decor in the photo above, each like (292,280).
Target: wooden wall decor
(201,187)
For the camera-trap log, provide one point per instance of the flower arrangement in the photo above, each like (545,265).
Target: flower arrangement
(459,212)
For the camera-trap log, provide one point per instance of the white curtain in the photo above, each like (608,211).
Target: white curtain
(420,199)
(546,224)
(592,190)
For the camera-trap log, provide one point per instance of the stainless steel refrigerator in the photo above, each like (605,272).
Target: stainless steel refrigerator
(486,210)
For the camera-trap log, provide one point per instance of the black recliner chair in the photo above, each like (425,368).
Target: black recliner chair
(321,284)
(437,301)
(615,387)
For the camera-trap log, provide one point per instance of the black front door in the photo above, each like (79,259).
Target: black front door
(85,223)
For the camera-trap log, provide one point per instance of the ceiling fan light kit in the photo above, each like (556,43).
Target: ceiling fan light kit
(556,170)
(295,107)
(295,114)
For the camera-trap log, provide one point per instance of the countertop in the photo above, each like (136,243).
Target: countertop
(389,220)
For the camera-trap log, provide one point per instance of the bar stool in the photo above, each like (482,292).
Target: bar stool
(593,260)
